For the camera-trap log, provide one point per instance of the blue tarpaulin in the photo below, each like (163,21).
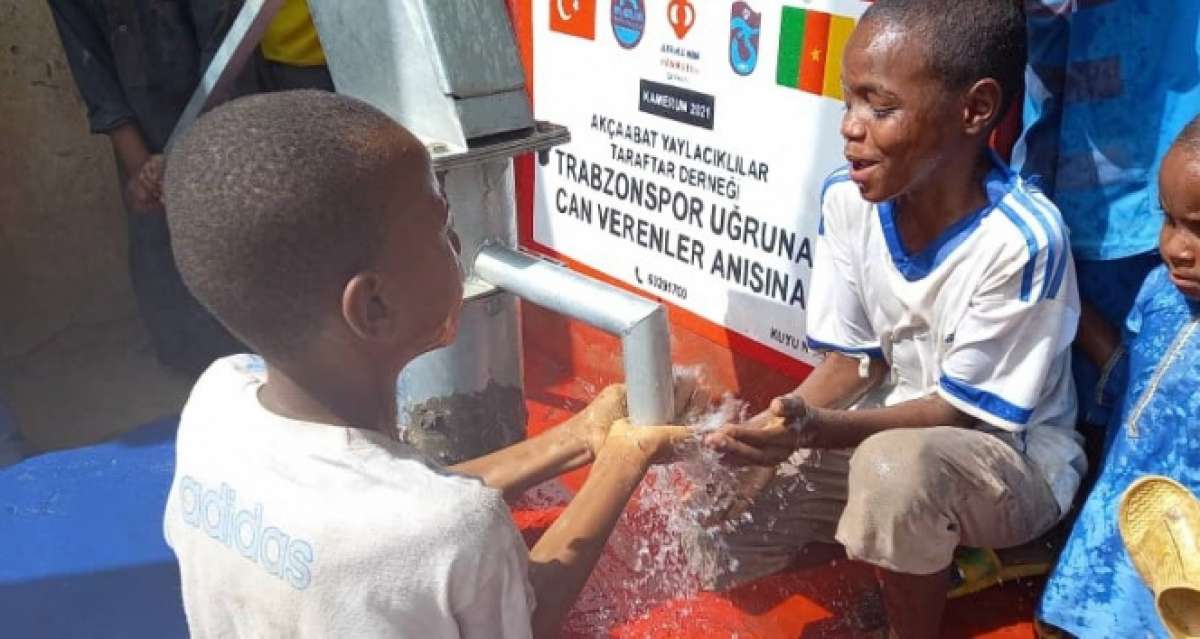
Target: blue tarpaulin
(81,545)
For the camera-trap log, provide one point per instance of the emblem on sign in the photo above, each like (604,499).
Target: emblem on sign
(628,22)
(682,15)
(745,25)
(574,17)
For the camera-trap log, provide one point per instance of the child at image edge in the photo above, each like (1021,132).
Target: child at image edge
(1149,386)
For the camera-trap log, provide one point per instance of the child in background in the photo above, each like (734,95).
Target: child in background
(292,57)
(944,299)
(1151,379)
(136,65)
(313,227)
(1109,87)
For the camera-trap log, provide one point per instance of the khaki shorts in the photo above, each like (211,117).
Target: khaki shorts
(903,500)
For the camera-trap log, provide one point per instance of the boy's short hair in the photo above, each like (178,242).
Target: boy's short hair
(274,202)
(1189,138)
(965,40)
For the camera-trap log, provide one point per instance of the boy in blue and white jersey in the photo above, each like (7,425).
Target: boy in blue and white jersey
(945,302)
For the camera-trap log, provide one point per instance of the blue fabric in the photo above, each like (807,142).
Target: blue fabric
(1094,590)
(914,266)
(1053,228)
(1031,244)
(81,543)
(837,177)
(1109,86)
(989,402)
(818,345)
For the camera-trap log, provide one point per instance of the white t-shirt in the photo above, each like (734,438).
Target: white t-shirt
(984,317)
(285,528)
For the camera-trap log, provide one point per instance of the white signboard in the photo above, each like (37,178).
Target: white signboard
(702,131)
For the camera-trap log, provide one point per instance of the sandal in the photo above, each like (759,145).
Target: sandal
(977,569)
(1159,522)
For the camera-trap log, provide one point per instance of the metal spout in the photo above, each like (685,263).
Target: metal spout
(640,323)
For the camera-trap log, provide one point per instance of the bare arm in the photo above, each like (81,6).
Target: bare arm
(837,381)
(140,170)
(515,469)
(848,428)
(130,148)
(570,445)
(564,557)
(817,406)
(1096,338)
(799,426)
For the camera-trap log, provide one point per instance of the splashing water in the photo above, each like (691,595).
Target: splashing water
(648,559)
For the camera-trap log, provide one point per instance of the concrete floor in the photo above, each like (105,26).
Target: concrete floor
(88,383)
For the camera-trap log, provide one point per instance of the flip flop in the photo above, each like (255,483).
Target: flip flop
(977,569)
(1159,520)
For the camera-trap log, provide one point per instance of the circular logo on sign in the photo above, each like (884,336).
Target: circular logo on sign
(682,15)
(628,22)
(745,25)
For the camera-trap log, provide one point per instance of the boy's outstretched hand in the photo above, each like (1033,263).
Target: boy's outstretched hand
(788,427)
(592,424)
(595,423)
(562,559)
(759,446)
(651,444)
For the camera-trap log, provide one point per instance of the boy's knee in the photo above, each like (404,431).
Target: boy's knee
(896,509)
(898,467)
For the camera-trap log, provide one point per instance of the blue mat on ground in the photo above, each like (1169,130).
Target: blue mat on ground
(81,545)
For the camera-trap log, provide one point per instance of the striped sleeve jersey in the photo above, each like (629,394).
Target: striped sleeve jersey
(984,316)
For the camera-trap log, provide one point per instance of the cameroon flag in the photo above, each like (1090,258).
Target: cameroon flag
(810,51)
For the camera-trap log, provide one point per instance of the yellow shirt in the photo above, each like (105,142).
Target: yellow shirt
(291,38)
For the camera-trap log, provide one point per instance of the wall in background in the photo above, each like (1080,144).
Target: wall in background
(75,365)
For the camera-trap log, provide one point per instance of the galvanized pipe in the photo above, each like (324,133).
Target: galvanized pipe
(229,60)
(640,323)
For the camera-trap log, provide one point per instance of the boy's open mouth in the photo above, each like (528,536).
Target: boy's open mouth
(860,169)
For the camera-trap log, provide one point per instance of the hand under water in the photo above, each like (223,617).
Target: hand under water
(757,448)
(596,423)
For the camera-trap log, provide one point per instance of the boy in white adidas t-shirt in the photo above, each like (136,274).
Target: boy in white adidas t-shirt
(944,299)
(313,227)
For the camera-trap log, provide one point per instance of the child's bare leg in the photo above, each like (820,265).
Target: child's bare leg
(914,603)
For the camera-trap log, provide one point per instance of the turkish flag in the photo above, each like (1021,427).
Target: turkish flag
(574,17)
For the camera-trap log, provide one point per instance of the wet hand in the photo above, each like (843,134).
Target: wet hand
(594,423)
(788,427)
(794,413)
(650,444)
